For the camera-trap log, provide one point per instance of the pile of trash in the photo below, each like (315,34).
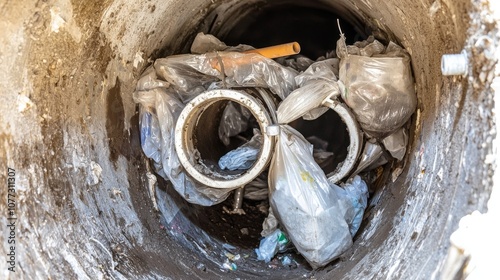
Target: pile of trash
(307,212)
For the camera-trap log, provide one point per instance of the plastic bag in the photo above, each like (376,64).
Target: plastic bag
(270,245)
(396,143)
(234,121)
(270,223)
(257,189)
(380,89)
(158,116)
(371,153)
(299,63)
(355,192)
(316,84)
(150,134)
(191,74)
(204,43)
(303,201)
(243,157)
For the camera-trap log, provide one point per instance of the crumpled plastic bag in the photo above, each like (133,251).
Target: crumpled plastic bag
(379,89)
(257,189)
(243,157)
(159,112)
(354,196)
(234,121)
(315,85)
(270,245)
(192,74)
(303,201)
(396,143)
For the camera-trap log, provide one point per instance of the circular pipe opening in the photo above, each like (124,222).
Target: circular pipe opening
(197,139)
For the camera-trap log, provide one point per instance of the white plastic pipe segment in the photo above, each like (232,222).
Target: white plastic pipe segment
(454,64)
(355,139)
(193,120)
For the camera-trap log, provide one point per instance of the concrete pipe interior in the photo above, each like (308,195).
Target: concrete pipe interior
(86,194)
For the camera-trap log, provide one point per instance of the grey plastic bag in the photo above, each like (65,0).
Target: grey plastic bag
(234,120)
(379,89)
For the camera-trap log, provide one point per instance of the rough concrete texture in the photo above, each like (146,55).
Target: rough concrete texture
(69,129)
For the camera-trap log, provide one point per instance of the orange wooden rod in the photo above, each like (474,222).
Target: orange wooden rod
(278,50)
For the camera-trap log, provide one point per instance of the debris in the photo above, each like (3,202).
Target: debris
(379,88)
(396,143)
(227,265)
(243,157)
(201,266)
(304,202)
(270,245)
(94,175)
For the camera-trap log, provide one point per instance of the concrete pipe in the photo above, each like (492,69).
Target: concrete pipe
(88,205)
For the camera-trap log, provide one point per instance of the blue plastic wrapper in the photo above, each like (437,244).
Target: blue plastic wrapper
(243,157)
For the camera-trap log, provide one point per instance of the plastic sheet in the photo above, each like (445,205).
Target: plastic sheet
(303,201)
(243,157)
(396,143)
(379,89)
(204,43)
(299,63)
(316,84)
(234,121)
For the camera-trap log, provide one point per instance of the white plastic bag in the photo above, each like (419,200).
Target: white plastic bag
(303,201)
(316,84)
(379,89)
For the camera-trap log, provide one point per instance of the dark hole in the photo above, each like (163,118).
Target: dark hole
(206,137)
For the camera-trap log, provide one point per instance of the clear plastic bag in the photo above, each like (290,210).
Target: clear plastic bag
(355,195)
(303,201)
(371,153)
(316,84)
(158,116)
(379,89)
(191,74)
(204,43)
(396,143)
(243,157)
(234,121)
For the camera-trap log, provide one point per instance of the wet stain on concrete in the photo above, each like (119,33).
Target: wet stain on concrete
(115,122)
